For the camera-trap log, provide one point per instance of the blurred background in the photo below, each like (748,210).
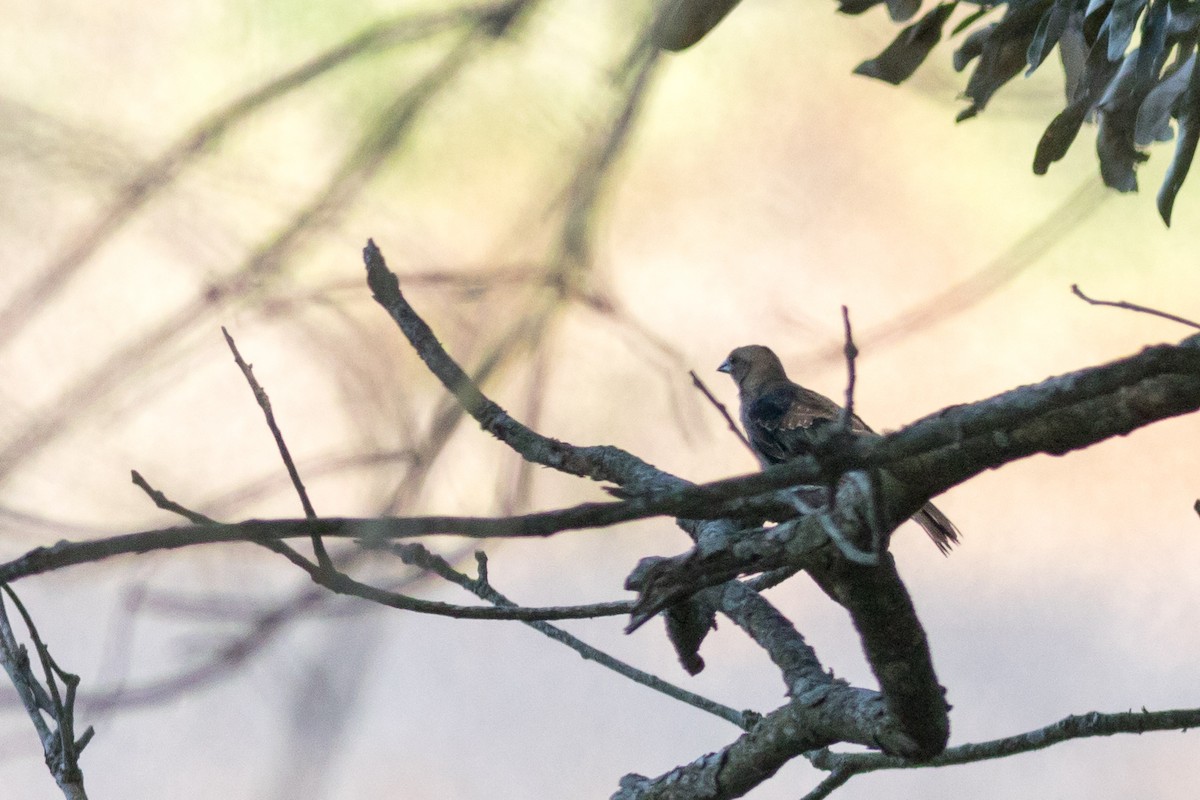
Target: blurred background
(581,224)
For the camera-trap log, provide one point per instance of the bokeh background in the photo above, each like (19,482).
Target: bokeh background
(581,225)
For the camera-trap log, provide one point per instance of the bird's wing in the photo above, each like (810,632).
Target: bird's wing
(777,420)
(779,417)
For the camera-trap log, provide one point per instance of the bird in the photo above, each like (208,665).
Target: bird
(779,414)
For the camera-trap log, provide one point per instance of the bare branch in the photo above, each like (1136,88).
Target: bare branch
(771,630)
(837,712)
(1076,726)
(340,583)
(1058,415)
(598,463)
(834,781)
(264,402)
(1132,307)
(167,504)
(699,384)
(850,350)
(416,554)
(60,746)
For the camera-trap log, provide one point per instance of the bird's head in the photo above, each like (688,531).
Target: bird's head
(753,365)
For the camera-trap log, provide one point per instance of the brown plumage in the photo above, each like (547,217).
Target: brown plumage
(777,415)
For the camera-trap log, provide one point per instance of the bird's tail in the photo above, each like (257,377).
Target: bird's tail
(938,526)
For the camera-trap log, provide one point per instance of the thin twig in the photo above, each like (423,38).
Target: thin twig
(850,350)
(264,403)
(699,384)
(1075,726)
(167,504)
(343,584)
(418,555)
(1132,307)
(340,583)
(15,659)
(832,782)
(195,517)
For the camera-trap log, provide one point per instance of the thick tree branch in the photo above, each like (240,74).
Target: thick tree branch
(895,645)
(598,463)
(835,712)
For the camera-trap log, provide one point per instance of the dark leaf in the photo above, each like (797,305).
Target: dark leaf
(1058,137)
(1002,50)
(1098,72)
(1183,24)
(1117,110)
(1117,117)
(1152,47)
(1049,30)
(972,46)
(1115,147)
(1188,113)
(1153,120)
(902,10)
(1094,17)
(682,23)
(1121,22)
(971,19)
(857,6)
(900,59)
(1072,51)
(1118,159)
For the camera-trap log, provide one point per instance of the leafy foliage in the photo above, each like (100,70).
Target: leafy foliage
(1131,92)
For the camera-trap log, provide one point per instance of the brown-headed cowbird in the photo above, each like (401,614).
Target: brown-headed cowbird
(777,415)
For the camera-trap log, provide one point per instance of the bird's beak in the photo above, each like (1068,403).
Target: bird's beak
(725,366)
